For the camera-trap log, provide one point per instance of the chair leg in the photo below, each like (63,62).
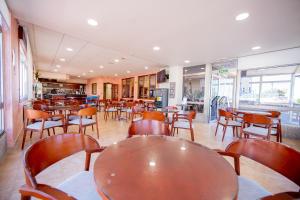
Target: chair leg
(233,131)
(84,129)
(97,129)
(30,134)
(25,197)
(192,135)
(48,131)
(92,127)
(224,132)
(41,134)
(87,161)
(217,129)
(24,138)
(53,129)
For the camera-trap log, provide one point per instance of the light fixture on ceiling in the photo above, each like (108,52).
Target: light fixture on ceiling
(242,16)
(116,74)
(56,70)
(186,70)
(92,22)
(256,48)
(202,68)
(83,74)
(128,72)
(156,48)
(91,71)
(101,66)
(69,49)
(116,60)
(187,61)
(58,66)
(62,59)
(146,67)
(78,76)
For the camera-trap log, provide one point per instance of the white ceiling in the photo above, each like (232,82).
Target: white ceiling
(201,31)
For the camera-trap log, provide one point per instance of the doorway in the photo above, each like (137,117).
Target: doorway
(110,91)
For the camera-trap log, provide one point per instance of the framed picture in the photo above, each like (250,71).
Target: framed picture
(172,89)
(94,88)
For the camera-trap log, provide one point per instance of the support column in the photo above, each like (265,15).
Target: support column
(206,109)
(176,75)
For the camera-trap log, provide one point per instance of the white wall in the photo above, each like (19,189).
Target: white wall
(5,12)
(276,58)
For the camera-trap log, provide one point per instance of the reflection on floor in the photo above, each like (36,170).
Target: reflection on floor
(11,167)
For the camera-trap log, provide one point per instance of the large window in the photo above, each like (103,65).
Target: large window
(272,89)
(23,75)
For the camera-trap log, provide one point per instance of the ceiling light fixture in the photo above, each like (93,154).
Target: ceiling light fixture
(146,67)
(58,66)
(242,16)
(128,72)
(83,74)
(116,74)
(92,22)
(187,61)
(91,71)
(116,60)
(101,66)
(69,49)
(256,48)
(78,76)
(62,59)
(56,70)
(156,48)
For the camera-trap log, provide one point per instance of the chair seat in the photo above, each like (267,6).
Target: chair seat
(55,118)
(72,117)
(137,119)
(258,130)
(111,110)
(48,124)
(85,121)
(230,122)
(81,186)
(182,124)
(249,189)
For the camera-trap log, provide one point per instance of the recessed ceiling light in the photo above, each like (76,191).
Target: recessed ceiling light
(101,66)
(116,74)
(187,61)
(152,163)
(128,72)
(92,22)
(242,16)
(202,68)
(69,49)
(91,71)
(256,48)
(62,59)
(156,48)
(55,70)
(186,70)
(116,60)
(146,67)
(78,76)
(83,74)
(58,66)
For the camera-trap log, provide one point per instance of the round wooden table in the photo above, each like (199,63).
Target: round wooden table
(163,167)
(253,112)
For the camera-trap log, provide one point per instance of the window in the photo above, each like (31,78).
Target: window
(128,88)
(1,89)
(23,75)
(94,88)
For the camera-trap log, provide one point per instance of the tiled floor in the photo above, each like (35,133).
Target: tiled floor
(11,168)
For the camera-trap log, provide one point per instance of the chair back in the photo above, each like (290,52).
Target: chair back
(257,119)
(148,127)
(276,156)
(50,150)
(225,114)
(90,111)
(154,115)
(274,113)
(32,114)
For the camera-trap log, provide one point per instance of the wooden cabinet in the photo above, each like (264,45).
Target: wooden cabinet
(146,86)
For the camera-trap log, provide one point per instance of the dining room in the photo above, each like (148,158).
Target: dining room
(149,100)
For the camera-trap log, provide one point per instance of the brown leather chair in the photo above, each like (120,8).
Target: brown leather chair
(148,127)
(47,152)
(154,115)
(276,156)
(226,119)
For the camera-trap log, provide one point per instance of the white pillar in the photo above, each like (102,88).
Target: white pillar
(176,75)
(208,73)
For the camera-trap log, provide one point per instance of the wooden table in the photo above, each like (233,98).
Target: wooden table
(252,112)
(163,167)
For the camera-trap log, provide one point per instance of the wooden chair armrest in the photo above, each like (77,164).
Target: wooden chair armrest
(236,159)
(283,196)
(57,115)
(44,192)
(95,150)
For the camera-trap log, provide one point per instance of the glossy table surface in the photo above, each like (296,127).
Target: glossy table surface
(163,167)
(253,112)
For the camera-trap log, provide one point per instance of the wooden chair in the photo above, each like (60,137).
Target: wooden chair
(276,156)
(111,108)
(184,121)
(137,112)
(276,124)
(148,127)
(154,115)
(38,121)
(226,119)
(127,109)
(85,118)
(263,131)
(47,152)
